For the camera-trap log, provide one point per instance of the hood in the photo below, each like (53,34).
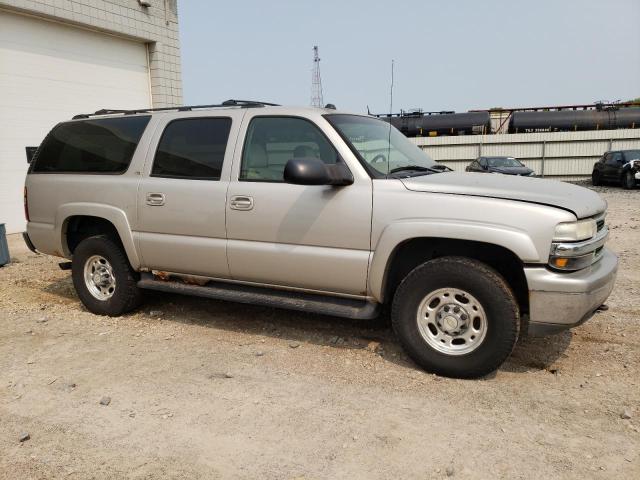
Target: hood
(511,170)
(581,201)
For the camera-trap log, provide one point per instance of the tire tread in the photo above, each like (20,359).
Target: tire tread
(128,298)
(463,265)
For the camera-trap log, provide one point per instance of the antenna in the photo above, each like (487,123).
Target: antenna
(316,81)
(391,92)
(391,113)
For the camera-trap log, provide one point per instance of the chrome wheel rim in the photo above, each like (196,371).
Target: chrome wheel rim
(99,277)
(452,321)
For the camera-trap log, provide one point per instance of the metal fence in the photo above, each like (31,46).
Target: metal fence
(561,155)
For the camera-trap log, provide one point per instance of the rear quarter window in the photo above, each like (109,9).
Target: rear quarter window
(104,145)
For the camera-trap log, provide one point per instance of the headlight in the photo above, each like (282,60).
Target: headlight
(575,231)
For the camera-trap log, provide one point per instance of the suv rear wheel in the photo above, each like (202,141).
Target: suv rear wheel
(103,278)
(456,317)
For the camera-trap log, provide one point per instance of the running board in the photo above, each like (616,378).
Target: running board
(292,300)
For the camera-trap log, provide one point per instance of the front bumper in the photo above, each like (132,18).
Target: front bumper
(28,242)
(558,300)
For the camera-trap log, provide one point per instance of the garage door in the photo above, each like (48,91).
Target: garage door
(48,73)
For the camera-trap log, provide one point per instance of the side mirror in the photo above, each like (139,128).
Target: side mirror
(31,151)
(313,171)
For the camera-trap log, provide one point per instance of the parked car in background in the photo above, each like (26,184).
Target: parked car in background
(320,211)
(621,167)
(504,165)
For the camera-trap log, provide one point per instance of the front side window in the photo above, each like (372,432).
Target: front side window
(380,146)
(615,159)
(104,145)
(192,148)
(272,141)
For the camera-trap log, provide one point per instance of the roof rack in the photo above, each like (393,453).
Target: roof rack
(185,108)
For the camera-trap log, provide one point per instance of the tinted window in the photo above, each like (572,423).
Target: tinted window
(615,159)
(192,148)
(272,141)
(632,155)
(103,145)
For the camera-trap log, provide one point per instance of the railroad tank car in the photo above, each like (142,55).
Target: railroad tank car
(421,125)
(627,118)
(574,120)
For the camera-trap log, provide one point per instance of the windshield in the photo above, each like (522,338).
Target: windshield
(503,162)
(382,147)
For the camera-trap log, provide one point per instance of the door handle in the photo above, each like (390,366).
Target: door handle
(155,199)
(241,202)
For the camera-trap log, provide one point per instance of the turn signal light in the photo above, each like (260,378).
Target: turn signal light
(572,264)
(560,262)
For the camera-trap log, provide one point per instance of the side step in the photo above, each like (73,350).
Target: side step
(304,302)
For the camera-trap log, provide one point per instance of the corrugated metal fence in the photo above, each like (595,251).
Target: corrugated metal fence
(562,155)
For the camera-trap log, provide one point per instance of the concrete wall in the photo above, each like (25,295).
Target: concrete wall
(562,155)
(157,26)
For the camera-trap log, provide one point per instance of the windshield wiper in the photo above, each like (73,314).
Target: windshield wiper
(418,168)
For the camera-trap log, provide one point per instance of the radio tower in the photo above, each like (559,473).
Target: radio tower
(316,81)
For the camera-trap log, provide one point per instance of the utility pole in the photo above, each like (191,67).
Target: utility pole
(316,81)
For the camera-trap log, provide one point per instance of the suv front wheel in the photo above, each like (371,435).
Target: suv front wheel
(628,180)
(456,317)
(103,278)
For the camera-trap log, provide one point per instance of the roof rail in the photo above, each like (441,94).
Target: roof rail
(185,108)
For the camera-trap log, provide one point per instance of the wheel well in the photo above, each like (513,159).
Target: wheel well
(411,253)
(79,227)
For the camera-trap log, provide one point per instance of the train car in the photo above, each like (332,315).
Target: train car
(431,125)
(574,120)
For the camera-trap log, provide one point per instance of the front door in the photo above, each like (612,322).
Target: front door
(181,199)
(309,237)
(613,163)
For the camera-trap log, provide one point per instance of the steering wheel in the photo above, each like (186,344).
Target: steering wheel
(380,158)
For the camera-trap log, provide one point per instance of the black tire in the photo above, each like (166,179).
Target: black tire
(595,179)
(126,295)
(628,180)
(491,291)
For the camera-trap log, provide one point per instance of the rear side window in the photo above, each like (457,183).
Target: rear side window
(103,145)
(192,148)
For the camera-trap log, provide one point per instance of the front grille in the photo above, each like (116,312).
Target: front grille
(600,220)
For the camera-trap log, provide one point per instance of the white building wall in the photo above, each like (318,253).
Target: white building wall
(59,58)
(157,26)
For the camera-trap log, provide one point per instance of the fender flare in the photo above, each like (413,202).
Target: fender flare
(107,212)
(514,240)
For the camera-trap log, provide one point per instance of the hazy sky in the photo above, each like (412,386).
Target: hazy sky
(449,55)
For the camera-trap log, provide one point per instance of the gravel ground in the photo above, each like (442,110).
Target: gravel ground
(193,388)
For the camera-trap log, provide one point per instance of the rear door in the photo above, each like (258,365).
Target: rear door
(612,165)
(182,196)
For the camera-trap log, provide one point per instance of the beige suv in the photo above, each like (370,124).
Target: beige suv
(320,211)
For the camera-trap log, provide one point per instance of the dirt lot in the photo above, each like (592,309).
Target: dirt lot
(205,389)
